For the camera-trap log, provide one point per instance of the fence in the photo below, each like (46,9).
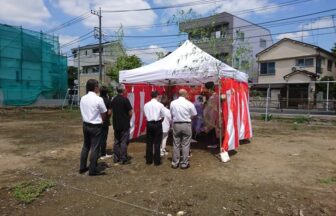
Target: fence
(30,67)
(318,97)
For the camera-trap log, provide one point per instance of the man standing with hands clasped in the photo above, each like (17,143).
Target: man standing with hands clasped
(121,116)
(93,113)
(154,112)
(182,111)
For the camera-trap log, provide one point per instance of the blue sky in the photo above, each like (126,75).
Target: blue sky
(45,15)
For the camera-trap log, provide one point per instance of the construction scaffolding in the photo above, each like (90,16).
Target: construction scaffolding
(31,67)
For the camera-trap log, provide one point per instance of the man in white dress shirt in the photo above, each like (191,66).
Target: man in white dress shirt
(93,113)
(182,111)
(154,112)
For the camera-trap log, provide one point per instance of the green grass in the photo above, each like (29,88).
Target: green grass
(302,119)
(295,126)
(330,180)
(27,192)
(263,117)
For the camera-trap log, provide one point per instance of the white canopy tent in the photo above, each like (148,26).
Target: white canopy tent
(188,64)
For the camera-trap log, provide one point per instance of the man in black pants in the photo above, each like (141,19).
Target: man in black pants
(93,113)
(154,112)
(121,115)
(106,124)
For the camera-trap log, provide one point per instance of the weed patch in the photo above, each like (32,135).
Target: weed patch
(27,192)
(330,180)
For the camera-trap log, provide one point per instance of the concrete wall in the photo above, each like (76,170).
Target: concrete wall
(324,65)
(282,68)
(287,50)
(85,77)
(252,33)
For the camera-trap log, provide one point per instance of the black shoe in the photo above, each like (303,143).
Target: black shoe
(82,171)
(157,164)
(126,162)
(97,174)
(149,163)
(186,167)
(174,167)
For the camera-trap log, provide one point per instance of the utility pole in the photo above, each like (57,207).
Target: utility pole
(98,13)
(78,76)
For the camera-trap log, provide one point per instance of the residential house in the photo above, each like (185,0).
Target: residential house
(88,57)
(290,65)
(230,39)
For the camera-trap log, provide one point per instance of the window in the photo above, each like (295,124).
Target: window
(236,64)
(305,62)
(95,69)
(240,35)
(329,65)
(218,34)
(86,52)
(262,43)
(267,68)
(96,50)
(74,53)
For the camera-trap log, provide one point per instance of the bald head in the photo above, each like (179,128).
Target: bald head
(183,93)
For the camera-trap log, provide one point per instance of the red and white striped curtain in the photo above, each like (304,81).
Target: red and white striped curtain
(236,114)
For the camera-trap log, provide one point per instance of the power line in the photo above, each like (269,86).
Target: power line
(195,3)
(166,47)
(262,23)
(178,35)
(70,22)
(87,35)
(224,15)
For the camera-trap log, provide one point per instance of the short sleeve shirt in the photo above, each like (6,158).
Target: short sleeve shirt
(120,113)
(182,110)
(91,106)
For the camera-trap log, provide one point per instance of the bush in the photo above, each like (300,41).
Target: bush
(302,119)
(263,117)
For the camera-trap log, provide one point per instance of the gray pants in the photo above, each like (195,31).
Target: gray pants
(121,139)
(92,139)
(182,136)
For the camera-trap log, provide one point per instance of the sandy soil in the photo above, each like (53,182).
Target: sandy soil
(283,171)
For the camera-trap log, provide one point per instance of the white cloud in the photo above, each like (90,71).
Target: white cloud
(231,6)
(64,39)
(295,36)
(78,7)
(320,23)
(23,12)
(147,55)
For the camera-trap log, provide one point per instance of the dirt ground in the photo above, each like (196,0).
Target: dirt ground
(285,170)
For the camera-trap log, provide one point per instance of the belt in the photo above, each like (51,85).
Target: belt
(94,125)
(185,122)
(154,122)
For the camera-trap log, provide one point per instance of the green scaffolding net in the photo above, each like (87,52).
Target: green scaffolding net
(31,66)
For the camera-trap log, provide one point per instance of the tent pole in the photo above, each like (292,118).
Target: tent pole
(220,115)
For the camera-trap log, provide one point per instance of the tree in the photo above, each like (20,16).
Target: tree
(125,62)
(72,75)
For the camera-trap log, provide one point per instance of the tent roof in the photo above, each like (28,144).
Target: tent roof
(188,64)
